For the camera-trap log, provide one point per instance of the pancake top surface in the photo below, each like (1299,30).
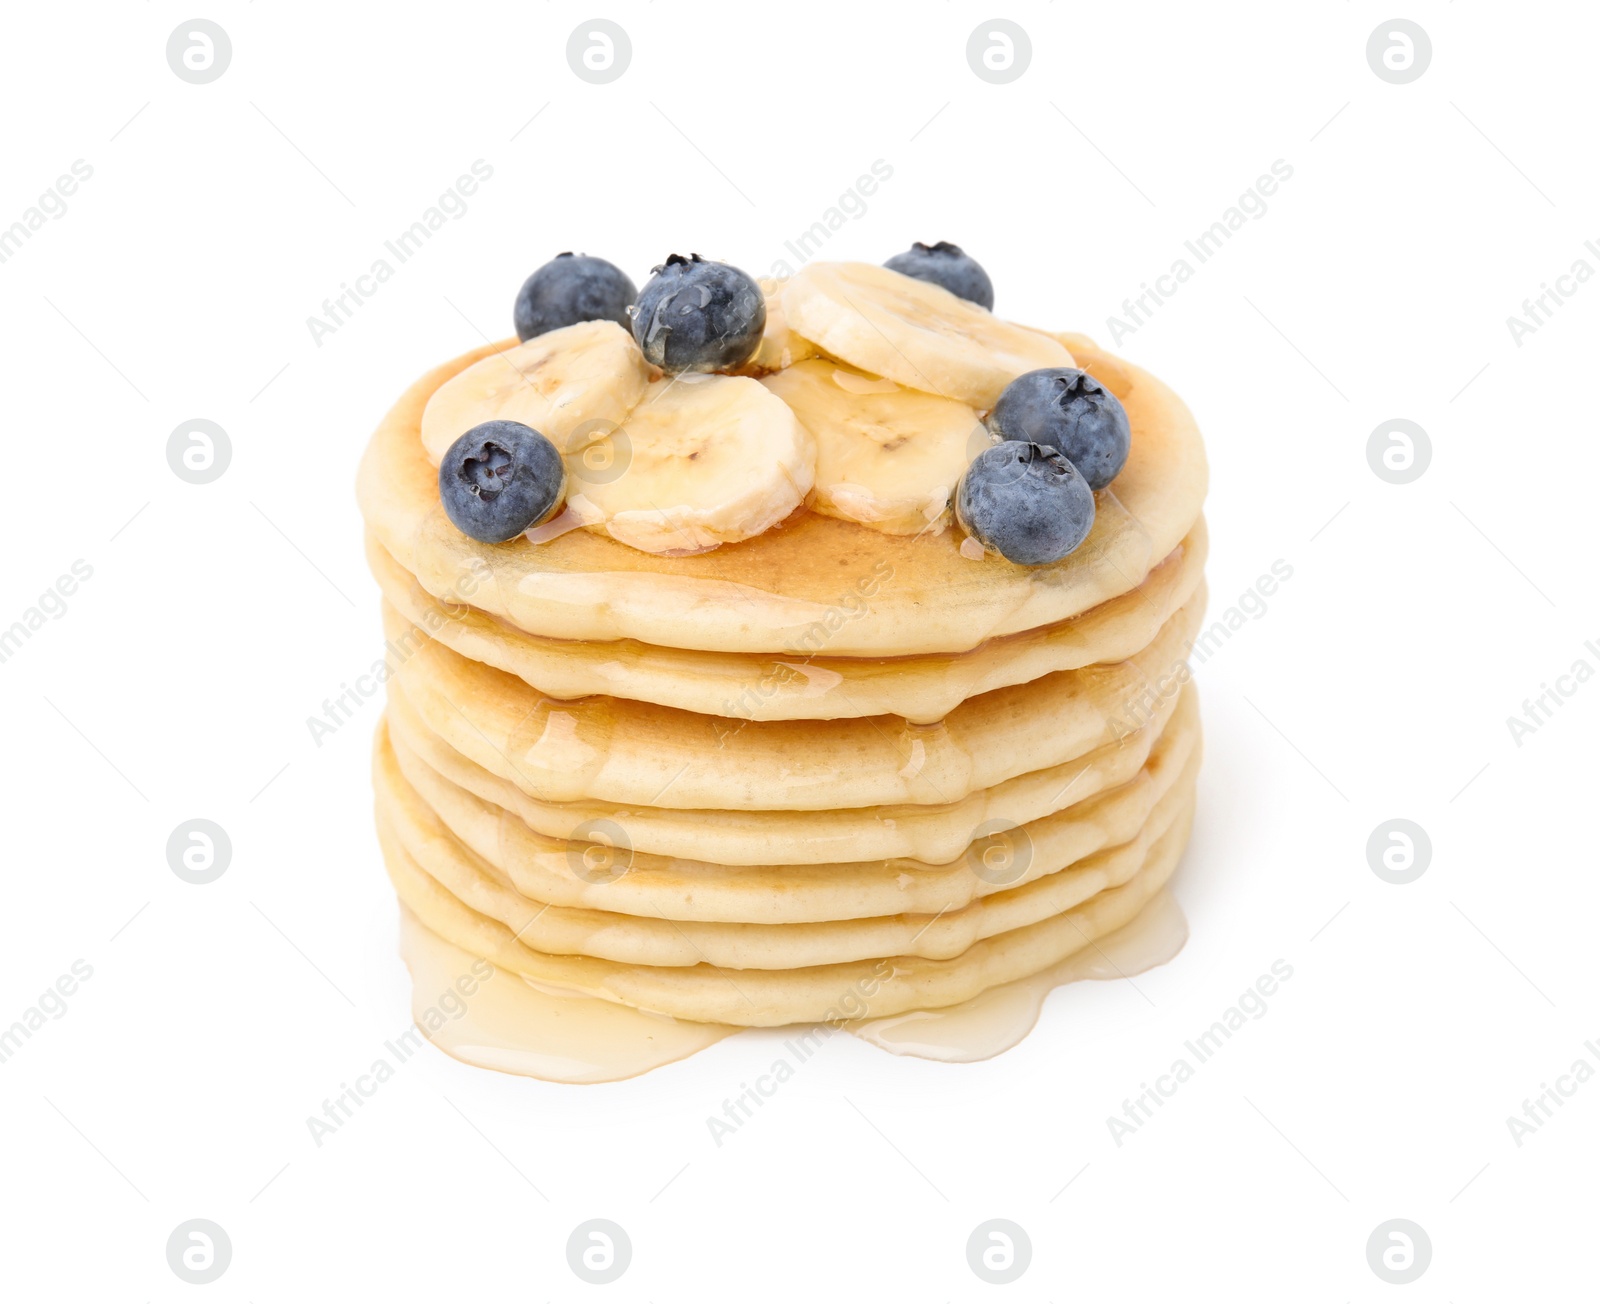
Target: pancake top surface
(811,584)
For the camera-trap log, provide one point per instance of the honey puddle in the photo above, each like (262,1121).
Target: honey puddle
(515,1026)
(996,1020)
(512,1025)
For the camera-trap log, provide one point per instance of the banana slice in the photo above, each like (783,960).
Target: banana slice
(887,457)
(780,346)
(916,333)
(703,460)
(560,383)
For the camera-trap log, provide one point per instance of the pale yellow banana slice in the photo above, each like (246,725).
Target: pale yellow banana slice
(703,460)
(916,333)
(564,383)
(887,457)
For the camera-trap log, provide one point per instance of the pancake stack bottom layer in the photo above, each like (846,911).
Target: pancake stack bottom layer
(612,853)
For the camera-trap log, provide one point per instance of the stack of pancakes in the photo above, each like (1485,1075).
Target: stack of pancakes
(823,769)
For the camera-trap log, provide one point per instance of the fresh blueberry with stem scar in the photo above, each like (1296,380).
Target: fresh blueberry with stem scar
(1026,502)
(571,288)
(947,265)
(499,479)
(694,315)
(1071,411)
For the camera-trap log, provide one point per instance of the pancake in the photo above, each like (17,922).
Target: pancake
(611,749)
(554,870)
(707,993)
(921,689)
(633,939)
(813,584)
(935,834)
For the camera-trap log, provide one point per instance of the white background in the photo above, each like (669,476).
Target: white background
(1377,685)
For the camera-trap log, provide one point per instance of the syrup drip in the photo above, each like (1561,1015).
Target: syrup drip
(516,1026)
(539,1032)
(996,1020)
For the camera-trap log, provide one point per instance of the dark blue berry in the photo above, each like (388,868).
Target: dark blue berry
(571,288)
(1069,410)
(947,265)
(695,315)
(500,478)
(1026,502)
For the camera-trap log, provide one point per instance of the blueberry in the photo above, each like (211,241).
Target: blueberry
(499,478)
(571,288)
(1026,502)
(1069,410)
(695,315)
(945,264)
